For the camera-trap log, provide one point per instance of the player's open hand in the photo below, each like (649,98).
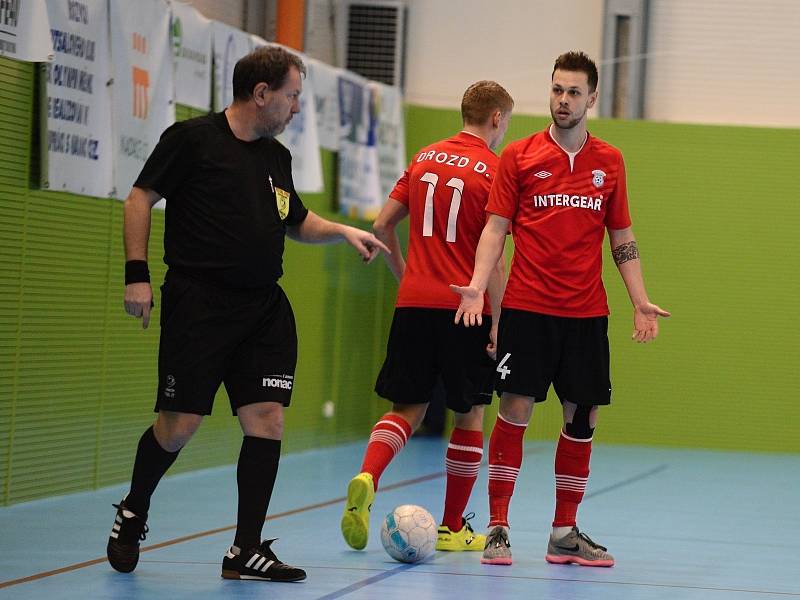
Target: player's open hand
(139,301)
(645,322)
(471,307)
(366,243)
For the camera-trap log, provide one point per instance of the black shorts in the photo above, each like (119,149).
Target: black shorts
(425,345)
(535,350)
(245,339)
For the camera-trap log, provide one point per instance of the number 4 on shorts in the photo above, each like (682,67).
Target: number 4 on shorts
(502,368)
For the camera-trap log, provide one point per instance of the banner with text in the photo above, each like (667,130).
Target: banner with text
(301,138)
(142,94)
(359,179)
(25,31)
(191,46)
(230,44)
(391,135)
(76,145)
(325,82)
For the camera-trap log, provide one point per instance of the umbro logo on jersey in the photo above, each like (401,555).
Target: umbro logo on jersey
(542,174)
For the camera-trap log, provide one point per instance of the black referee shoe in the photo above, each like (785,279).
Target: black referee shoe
(123,543)
(260,564)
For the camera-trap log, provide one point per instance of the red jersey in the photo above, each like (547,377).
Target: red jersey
(559,212)
(445,188)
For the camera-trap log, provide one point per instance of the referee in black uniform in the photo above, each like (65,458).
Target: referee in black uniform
(224,318)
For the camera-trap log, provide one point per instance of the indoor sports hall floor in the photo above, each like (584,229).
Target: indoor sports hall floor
(681,524)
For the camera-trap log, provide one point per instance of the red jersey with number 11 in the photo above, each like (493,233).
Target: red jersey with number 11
(445,188)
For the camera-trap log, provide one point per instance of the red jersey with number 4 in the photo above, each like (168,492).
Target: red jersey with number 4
(559,210)
(445,188)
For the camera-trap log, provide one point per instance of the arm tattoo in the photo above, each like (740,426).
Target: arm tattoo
(625,252)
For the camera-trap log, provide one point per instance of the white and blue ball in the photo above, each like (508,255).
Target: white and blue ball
(408,533)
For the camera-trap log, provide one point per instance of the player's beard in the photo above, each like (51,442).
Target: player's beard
(271,128)
(569,124)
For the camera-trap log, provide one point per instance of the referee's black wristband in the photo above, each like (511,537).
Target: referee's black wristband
(136,271)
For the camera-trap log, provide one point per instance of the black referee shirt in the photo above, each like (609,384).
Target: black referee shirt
(228,202)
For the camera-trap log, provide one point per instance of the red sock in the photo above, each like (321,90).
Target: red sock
(462,462)
(388,437)
(505,459)
(572,473)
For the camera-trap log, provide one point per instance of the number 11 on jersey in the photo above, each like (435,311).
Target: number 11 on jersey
(432,179)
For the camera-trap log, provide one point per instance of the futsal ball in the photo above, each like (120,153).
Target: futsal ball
(408,533)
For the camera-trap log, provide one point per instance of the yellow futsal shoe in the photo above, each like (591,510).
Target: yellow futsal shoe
(458,541)
(355,520)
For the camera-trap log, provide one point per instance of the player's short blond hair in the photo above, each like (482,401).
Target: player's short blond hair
(482,99)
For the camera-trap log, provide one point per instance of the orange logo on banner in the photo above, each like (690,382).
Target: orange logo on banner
(141,83)
(141,80)
(140,43)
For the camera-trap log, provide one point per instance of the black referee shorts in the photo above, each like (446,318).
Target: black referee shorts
(535,350)
(245,339)
(425,344)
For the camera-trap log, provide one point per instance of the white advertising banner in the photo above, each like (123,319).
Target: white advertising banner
(388,104)
(77,142)
(325,81)
(256,41)
(143,105)
(25,30)
(359,179)
(301,138)
(230,44)
(191,46)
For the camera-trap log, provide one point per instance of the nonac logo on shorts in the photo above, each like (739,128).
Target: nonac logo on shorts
(598,177)
(283,382)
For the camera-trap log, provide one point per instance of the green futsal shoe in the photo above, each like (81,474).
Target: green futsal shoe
(355,519)
(461,540)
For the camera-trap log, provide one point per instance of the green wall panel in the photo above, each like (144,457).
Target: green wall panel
(78,376)
(337,302)
(715,220)
(16,100)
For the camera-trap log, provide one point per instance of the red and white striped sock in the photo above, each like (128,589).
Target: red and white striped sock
(388,437)
(462,462)
(572,473)
(505,459)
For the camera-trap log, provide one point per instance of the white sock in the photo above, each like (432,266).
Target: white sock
(560,532)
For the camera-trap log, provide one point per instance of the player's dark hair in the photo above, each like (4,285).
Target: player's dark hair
(577,61)
(481,99)
(269,64)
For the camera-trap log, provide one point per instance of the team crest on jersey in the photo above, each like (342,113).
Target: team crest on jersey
(598,177)
(282,199)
